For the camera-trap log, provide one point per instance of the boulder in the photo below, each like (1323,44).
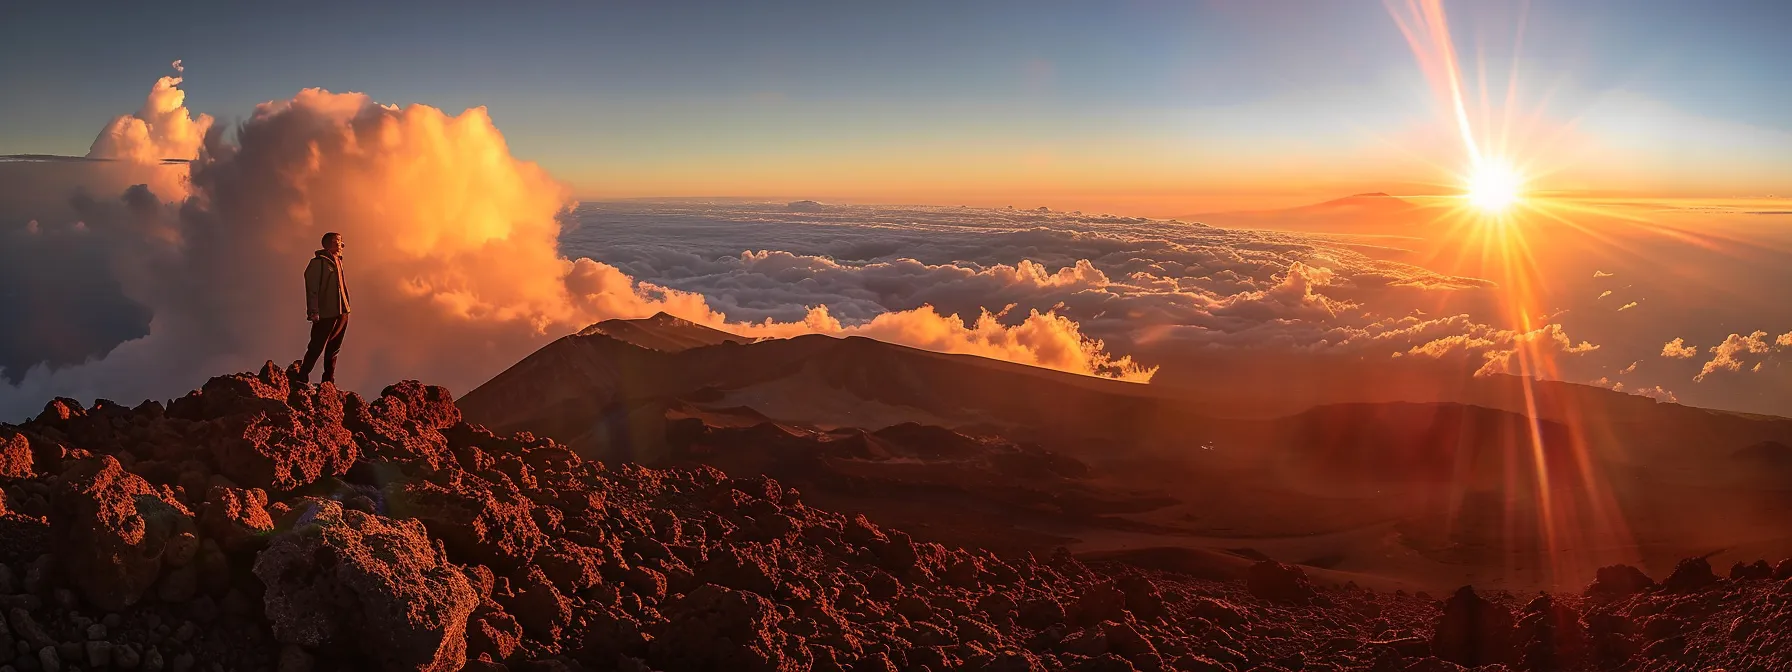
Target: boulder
(1616,581)
(492,633)
(15,454)
(368,586)
(479,521)
(1549,636)
(717,628)
(1759,571)
(1690,575)
(1473,631)
(539,607)
(1100,602)
(428,406)
(1276,582)
(268,434)
(236,518)
(405,422)
(112,531)
(1142,597)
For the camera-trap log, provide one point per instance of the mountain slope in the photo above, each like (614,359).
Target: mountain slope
(389,533)
(1439,492)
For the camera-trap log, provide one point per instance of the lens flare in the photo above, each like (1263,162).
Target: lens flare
(1494,187)
(1561,516)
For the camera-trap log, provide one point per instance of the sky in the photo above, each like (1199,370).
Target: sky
(1139,107)
(1152,188)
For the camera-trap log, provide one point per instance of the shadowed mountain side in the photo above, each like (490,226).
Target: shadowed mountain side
(827,382)
(1431,492)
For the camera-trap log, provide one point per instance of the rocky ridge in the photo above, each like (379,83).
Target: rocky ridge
(256,524)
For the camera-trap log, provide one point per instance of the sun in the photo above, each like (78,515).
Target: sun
(1494,187)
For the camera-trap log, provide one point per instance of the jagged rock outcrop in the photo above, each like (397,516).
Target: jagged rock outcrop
(351,581)
(265,433)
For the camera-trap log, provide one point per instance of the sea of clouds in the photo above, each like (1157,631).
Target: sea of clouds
(174,251)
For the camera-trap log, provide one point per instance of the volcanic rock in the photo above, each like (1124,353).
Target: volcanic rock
(488,523)
(15,454)
(113,531)
(1473,631)
(1550,636)
(268,434)
(492,634)
(1617,581)
(1759,571)
(428,543)
(366,584)
(236,518)
(1142,597)
(719,628)
(1277,582)
(1689,575)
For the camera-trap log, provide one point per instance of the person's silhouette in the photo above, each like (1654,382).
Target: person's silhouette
(326,306)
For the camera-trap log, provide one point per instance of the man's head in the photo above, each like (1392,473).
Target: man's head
(333,243)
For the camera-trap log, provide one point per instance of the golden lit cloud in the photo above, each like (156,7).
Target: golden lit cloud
(1727,351)
(1678,349)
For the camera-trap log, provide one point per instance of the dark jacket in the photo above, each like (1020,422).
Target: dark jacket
(326,293)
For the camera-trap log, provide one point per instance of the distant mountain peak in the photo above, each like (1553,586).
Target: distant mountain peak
(1373,198)
(662,331)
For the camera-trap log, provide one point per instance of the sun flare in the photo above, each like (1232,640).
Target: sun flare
(1494,187)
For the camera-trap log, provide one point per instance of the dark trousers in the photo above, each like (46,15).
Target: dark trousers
(326,340)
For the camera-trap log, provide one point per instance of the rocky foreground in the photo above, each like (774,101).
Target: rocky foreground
(260,525)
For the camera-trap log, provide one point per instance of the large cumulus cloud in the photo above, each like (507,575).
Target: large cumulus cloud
(137,281)
(162,130)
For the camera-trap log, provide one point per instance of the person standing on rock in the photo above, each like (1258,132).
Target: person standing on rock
(326,306)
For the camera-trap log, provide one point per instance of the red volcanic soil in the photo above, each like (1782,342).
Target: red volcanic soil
(260,525)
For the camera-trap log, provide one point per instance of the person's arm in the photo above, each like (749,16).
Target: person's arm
(314,277)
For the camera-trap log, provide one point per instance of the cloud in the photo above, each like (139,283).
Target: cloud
(1606,293)
(464,259)
(1146,287)
(162,129)
(1627,306)
(453,258)
(1784,340)
(1726,352)
(1602,274)
(1497,347)
(1631,368)
(1041,339)
(1655,392)
(1678,349)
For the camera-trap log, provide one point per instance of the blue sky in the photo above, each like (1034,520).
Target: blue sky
(691,98)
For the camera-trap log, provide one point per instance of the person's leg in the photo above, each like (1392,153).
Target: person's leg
(338,329)
(320,334)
